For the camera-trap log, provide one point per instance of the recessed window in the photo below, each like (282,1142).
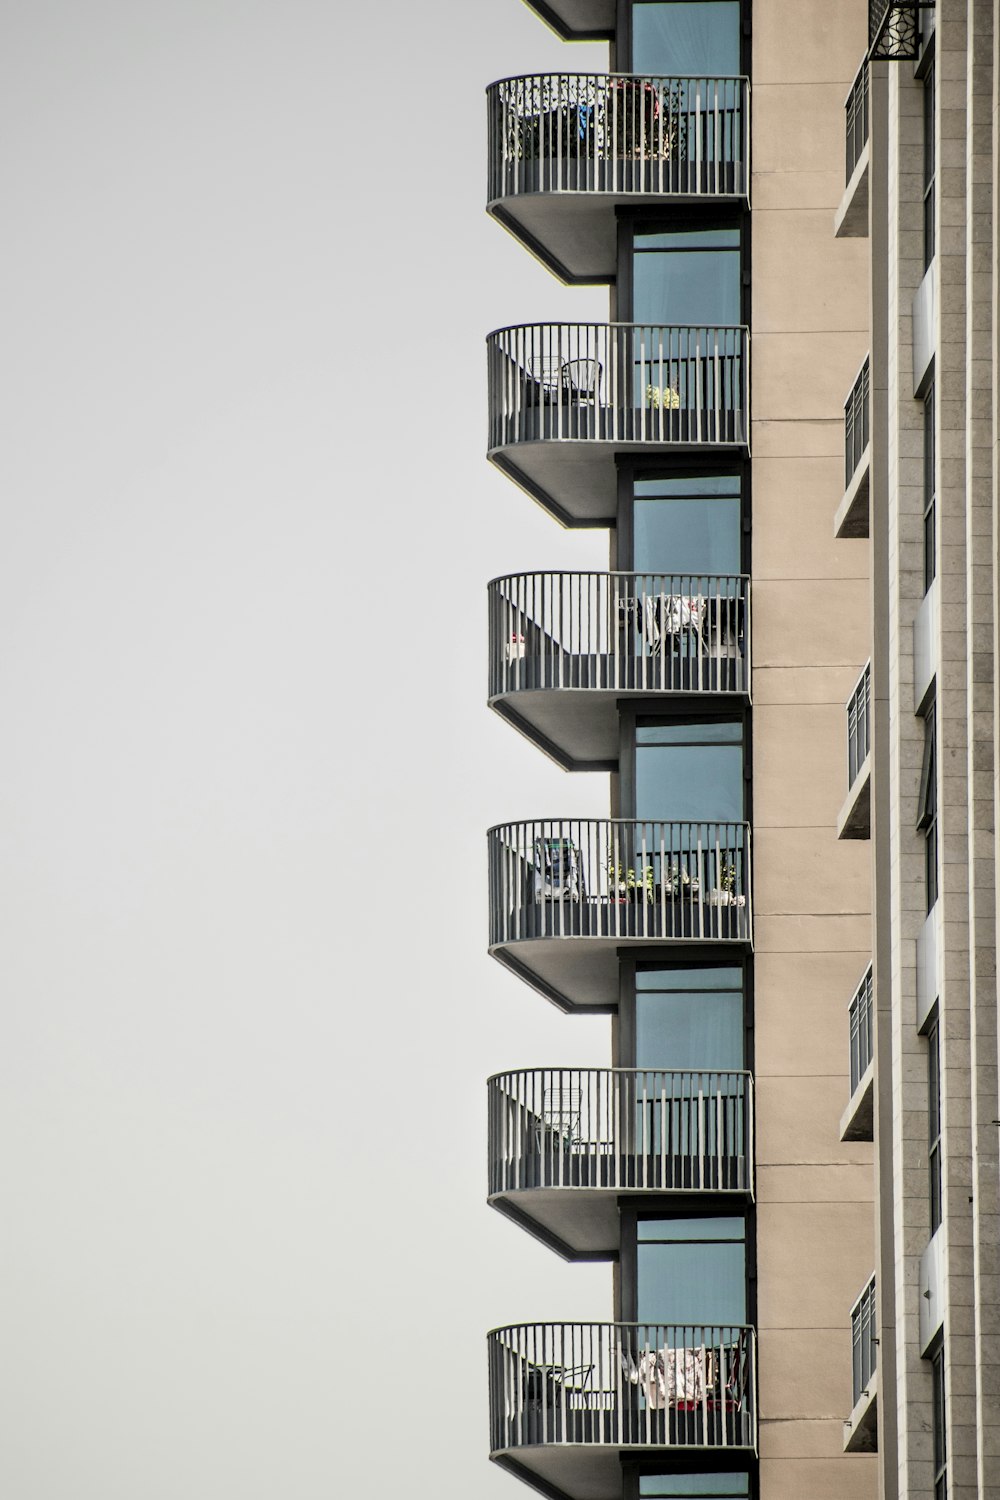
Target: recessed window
(690,772)
(689,1017)
(927,818)
(930,493)
(930,166)
(677,1486)
(934,1122)
(691,1271)
(687,525)
(686,38)
(940,1430)
(687,276)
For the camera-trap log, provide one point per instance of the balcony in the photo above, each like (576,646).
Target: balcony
(852,215)
(855,820)
(852,514)
(567,150)
(861,1429)
(857,1123)
(578,20)
(565,648)
(567,1399)
(567,894)
(566,1143)
(566,398)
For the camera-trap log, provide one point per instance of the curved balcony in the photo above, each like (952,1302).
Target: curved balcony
(567,894)
(565,648)
(566,1143)
(565,398)
(566,150)
(566,1399)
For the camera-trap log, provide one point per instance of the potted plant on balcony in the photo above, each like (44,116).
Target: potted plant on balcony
(725,894)
(626,884)
(679,885)
(664,398)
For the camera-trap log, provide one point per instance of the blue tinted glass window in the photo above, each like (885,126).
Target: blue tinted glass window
(677,977)
(697,1275)
(686,278)
(699,779)
(696,1030)
(687,525)
(686,38)
(667,1486)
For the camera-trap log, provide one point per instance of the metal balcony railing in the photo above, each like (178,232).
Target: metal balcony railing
(617,383)
(591,878)
(856,422)
(857,119)
(859,724)
(621,1129)
(622,1385)
(862,1030)
(621,135)
(619,632)
(864,1341)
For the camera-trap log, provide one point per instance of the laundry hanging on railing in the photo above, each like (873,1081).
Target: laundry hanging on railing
(666,615)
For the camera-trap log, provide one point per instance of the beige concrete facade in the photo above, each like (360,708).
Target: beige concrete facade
(815,1246)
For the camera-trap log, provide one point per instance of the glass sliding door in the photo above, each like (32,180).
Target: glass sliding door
(686,38)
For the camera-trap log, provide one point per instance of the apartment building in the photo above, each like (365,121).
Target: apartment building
(789,429)
(716,915)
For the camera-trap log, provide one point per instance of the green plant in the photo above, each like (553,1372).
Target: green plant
(628,882)
(666,397)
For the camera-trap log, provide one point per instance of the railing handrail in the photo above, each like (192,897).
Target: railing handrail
(639,77)
(741,823)
(613,573)
(854,81)
(611,1323)
(596,323)
(512,1073)
(865,672)
(848,399)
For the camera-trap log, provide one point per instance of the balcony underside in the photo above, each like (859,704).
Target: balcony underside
(577,20)
(584,1463)
(579,727)
(574,232)
(575,478)
(582,973)
(581,1221)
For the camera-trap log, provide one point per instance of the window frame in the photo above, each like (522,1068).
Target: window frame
(930,489)
(934,1175)
(927,808)
(939,1422)
(928,80)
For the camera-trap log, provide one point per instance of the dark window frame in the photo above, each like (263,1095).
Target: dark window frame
(708,1206)
(927,808)
(930,489)
(939,1423)
(929,185)
(933,1035)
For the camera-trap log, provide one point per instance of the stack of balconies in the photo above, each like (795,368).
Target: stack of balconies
(569,1148)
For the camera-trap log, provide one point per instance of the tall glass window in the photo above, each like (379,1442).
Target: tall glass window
(689,1017)
(930,166)
(687,276)
(927,809)
(690,772)
(687,525)
(940,1430)
(691,1270)
(705,1485)
(934,1121)
(930,492)
(686,38)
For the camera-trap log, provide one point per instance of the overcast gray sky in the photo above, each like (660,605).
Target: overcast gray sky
(245,766)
